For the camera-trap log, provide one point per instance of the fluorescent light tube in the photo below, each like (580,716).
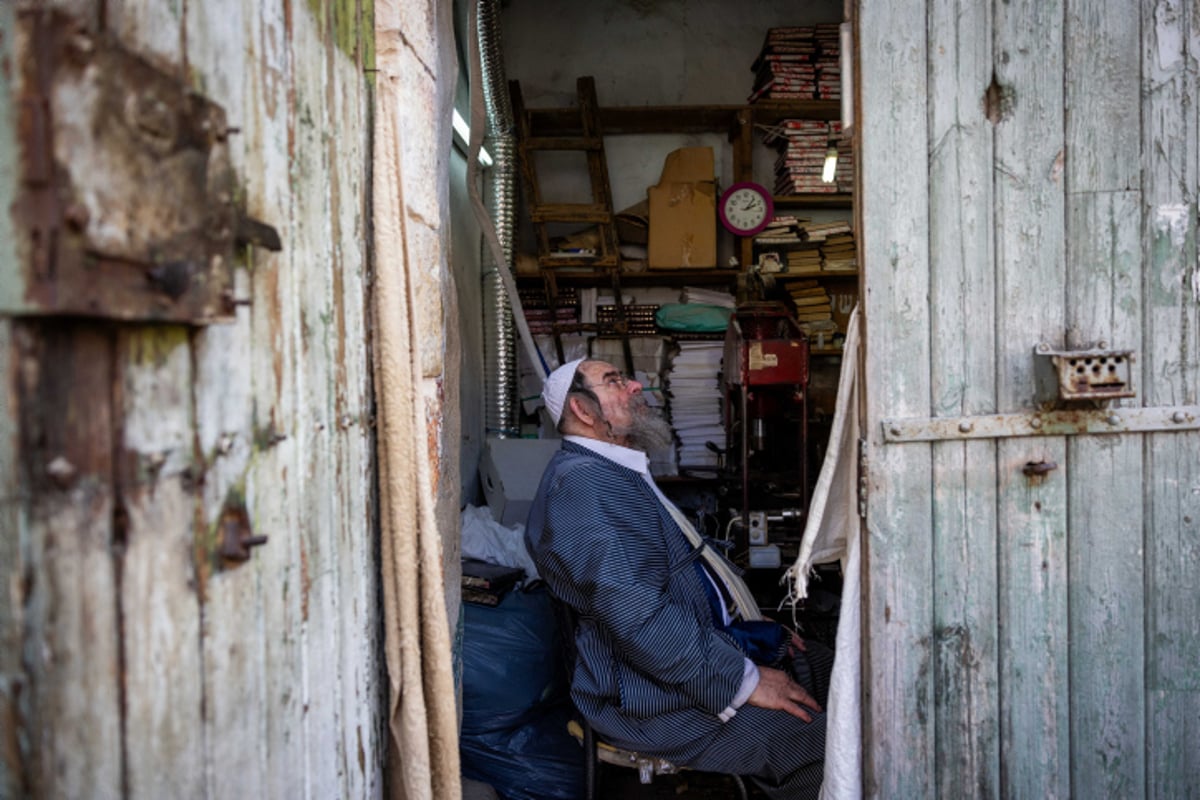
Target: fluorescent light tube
(830,169)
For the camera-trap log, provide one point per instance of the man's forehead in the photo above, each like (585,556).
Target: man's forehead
(600,369)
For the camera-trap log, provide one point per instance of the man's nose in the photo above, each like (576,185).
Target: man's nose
(632,385)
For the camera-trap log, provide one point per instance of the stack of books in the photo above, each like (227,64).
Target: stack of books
(537,311)
(811,300)
(802,144)
(838,253)
(694,389)
(798,62)
(639,319)
(828,61)
(843,176)
(804,260)
(781,230)
(820,231)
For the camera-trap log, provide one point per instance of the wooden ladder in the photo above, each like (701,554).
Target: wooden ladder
(586,137)
(590,140)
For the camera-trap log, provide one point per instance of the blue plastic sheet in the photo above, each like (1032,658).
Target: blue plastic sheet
(515,701)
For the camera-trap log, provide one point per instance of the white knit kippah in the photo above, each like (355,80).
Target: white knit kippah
(554,393)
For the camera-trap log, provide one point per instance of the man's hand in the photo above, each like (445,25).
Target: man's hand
(777,690)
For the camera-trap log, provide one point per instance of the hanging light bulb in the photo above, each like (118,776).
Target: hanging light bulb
(830,168)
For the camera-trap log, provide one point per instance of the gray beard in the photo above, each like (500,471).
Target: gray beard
(649,430)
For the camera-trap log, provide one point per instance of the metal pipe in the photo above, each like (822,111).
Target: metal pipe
(500,357)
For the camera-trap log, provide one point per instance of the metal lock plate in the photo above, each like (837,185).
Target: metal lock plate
(126,208)
(1093,374)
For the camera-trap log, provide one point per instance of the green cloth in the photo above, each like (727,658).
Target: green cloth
(693,318)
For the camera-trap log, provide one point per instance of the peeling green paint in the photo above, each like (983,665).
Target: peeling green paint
(351,23)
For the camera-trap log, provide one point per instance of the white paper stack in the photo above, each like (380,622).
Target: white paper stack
(693,385)
(712,297)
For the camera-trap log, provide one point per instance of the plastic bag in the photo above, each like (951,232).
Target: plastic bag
(512,660)
(487,540)
(515,700)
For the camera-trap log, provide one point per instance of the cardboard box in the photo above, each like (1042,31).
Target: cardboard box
(683,212)
(510,471)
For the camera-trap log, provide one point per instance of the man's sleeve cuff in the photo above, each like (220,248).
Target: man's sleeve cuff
(749,684)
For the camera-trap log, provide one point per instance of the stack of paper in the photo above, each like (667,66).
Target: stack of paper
(694,389)
(709,297)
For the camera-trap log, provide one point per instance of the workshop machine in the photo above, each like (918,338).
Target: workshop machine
(766,373)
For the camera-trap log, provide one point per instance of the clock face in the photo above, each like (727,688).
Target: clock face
(746,208)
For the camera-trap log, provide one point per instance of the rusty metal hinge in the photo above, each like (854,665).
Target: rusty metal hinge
(128,204)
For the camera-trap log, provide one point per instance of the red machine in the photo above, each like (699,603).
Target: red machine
(766,422)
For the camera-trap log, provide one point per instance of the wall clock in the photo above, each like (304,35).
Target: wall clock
(746,208)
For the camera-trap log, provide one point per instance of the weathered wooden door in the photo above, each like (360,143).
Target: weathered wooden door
(1029,176)
(186,472)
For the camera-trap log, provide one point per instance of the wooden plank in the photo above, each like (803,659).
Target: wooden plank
(1171,375)
(12,680)
(241,711)
(962,319)
(351,546)
(12,289)
(1026,104)
(68,593)
(12,566)
(272,489)
(312,234)
(1174,759)
(898,662)
(1105,547)
(160,609)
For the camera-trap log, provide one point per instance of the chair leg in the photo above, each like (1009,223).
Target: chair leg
(589,761)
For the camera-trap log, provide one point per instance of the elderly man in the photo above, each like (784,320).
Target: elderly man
(664,666)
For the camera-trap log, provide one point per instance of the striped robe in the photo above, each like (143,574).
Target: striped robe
(652,671)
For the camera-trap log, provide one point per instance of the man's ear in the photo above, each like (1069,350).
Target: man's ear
(582,411)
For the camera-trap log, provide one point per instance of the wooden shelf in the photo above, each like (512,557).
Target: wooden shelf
(664,277)
(769,112)
(816,200)
(624,120)
(787,276)
(621,120)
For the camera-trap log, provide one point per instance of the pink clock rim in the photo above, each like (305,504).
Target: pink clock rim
(761,190)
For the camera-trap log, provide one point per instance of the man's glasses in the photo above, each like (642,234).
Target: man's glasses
(618,381)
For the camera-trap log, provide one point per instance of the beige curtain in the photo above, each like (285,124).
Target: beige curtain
(410,244)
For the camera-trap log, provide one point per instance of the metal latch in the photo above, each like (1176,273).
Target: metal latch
(1091,374)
